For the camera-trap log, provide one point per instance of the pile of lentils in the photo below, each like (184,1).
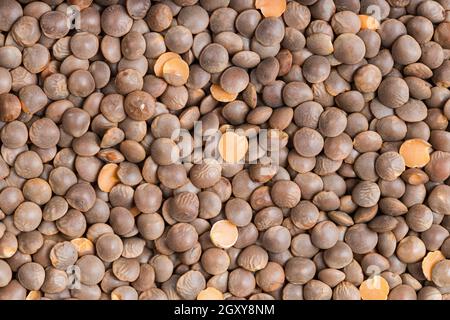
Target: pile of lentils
(99,198)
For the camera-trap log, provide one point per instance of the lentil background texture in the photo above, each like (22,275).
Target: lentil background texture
(108,111)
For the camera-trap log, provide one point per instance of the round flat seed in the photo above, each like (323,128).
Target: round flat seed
(176,72)
(210,293)
(84,246)
(107,177)
(271,8)
(430,260)
(162,59)
(221,95)
(224,234)
(374,288)
(34,295)
(369,22)
(415,152)
(232,147)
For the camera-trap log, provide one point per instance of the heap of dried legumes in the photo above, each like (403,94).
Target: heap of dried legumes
(225,149)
